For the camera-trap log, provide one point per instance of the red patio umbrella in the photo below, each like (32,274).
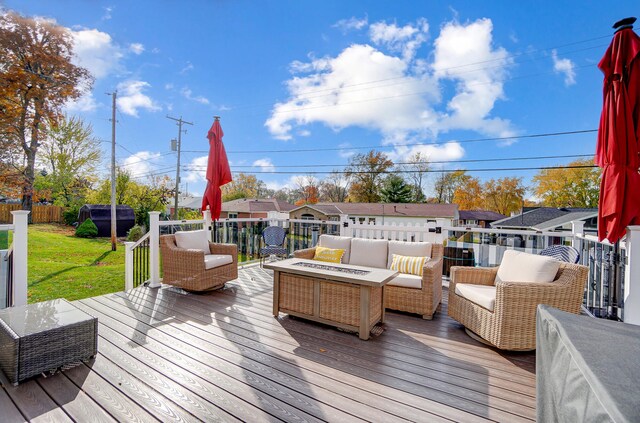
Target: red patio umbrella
(218,172)
(619,134)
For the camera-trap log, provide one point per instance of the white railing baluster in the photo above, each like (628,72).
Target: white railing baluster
(154,249)
(20,252)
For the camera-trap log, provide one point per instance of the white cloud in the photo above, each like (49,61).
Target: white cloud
(96,51)
(141,163)
(196,171)
(565,66)
(432,152)
(86,103)
(188,67)
(391,89)
(168,86)
(132,98)
(465,55)
(345,154)
(107,13)
(188,94)
(136,48)
(352,23)
(304,132)
(265,165)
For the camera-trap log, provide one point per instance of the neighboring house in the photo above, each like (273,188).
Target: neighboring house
(187,202)
(245,208)
(477,218)
(379,213)
(550,219)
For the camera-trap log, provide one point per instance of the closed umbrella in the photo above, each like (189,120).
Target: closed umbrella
(218,172)
(619,134)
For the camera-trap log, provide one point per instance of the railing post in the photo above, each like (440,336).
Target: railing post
(208,224)
(632,277)
(20,251)
(128,265)
(154,249)
(344,225)
(577,228)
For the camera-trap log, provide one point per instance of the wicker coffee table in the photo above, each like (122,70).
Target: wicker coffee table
(341,295)
(44,337)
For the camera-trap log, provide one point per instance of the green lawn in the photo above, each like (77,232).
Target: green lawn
(63,266)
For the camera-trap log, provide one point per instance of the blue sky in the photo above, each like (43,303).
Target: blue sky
(292,75)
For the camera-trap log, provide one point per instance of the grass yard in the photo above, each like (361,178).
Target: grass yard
(63,266)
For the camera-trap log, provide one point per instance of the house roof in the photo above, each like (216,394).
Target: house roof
(486,215)
(190,202)
(387,209)
(567,218)
(255,205)
(539,217)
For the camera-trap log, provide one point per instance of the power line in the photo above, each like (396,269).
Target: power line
(425,171)
(502,159)
(307,150)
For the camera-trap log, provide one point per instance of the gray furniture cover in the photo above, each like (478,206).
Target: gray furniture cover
(587,370)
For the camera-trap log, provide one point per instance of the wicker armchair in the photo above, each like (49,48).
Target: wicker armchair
(186,268)
(512,323)
(423,301)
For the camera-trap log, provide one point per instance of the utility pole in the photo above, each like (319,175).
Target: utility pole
(178,146)
(114,230)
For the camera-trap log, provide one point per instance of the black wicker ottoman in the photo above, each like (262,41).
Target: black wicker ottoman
(45,337)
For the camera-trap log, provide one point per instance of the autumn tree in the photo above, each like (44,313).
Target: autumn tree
(243,186)
(37,77)
(396,190)
(576,186)
(504,195)
(335,187)
(469,195)
(367,172)
(416,169)
(307,189)
(447,183)
(69,157)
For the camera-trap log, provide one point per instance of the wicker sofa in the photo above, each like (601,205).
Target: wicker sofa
(409,293)
(193,270)
(511,325)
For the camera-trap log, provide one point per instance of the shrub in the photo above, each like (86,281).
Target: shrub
(135,233)
(70,215)
(87,229)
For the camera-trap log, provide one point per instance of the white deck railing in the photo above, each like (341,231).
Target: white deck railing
(13,279)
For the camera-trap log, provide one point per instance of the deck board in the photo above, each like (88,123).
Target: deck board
(168,355)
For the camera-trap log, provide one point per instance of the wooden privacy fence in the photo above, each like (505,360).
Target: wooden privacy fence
(39,214)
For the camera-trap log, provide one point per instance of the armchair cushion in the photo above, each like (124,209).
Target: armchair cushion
(482,295)
(339,242)
(414,249)
(369,252)
(408,264)
(193,240)
(331,255)
(406,281)
(517,266)
(216,260)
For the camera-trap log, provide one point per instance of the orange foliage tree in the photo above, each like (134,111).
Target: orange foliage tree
(36,79)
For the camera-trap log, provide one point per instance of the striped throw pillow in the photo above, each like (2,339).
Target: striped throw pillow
(331,255)
(408,264)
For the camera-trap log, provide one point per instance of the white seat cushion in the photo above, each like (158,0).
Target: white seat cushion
(517,266)
(216,260)
(413,249)
(193,240)
(369,252)
(482,295)
(406,280)
(337,242)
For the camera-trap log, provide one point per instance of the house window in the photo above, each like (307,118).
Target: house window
(307,216)
(372,221)
(361,220)
(233,215)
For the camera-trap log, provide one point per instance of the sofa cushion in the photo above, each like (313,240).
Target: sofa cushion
(408,264)
(340,242)
(331,255)
(406,281)
(482,295)
(403,248)
(216,260)
(369,252)
(193,240)
(517,266)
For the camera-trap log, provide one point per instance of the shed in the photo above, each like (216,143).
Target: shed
(100,214)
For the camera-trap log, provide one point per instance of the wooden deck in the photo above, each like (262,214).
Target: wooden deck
(169,356)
